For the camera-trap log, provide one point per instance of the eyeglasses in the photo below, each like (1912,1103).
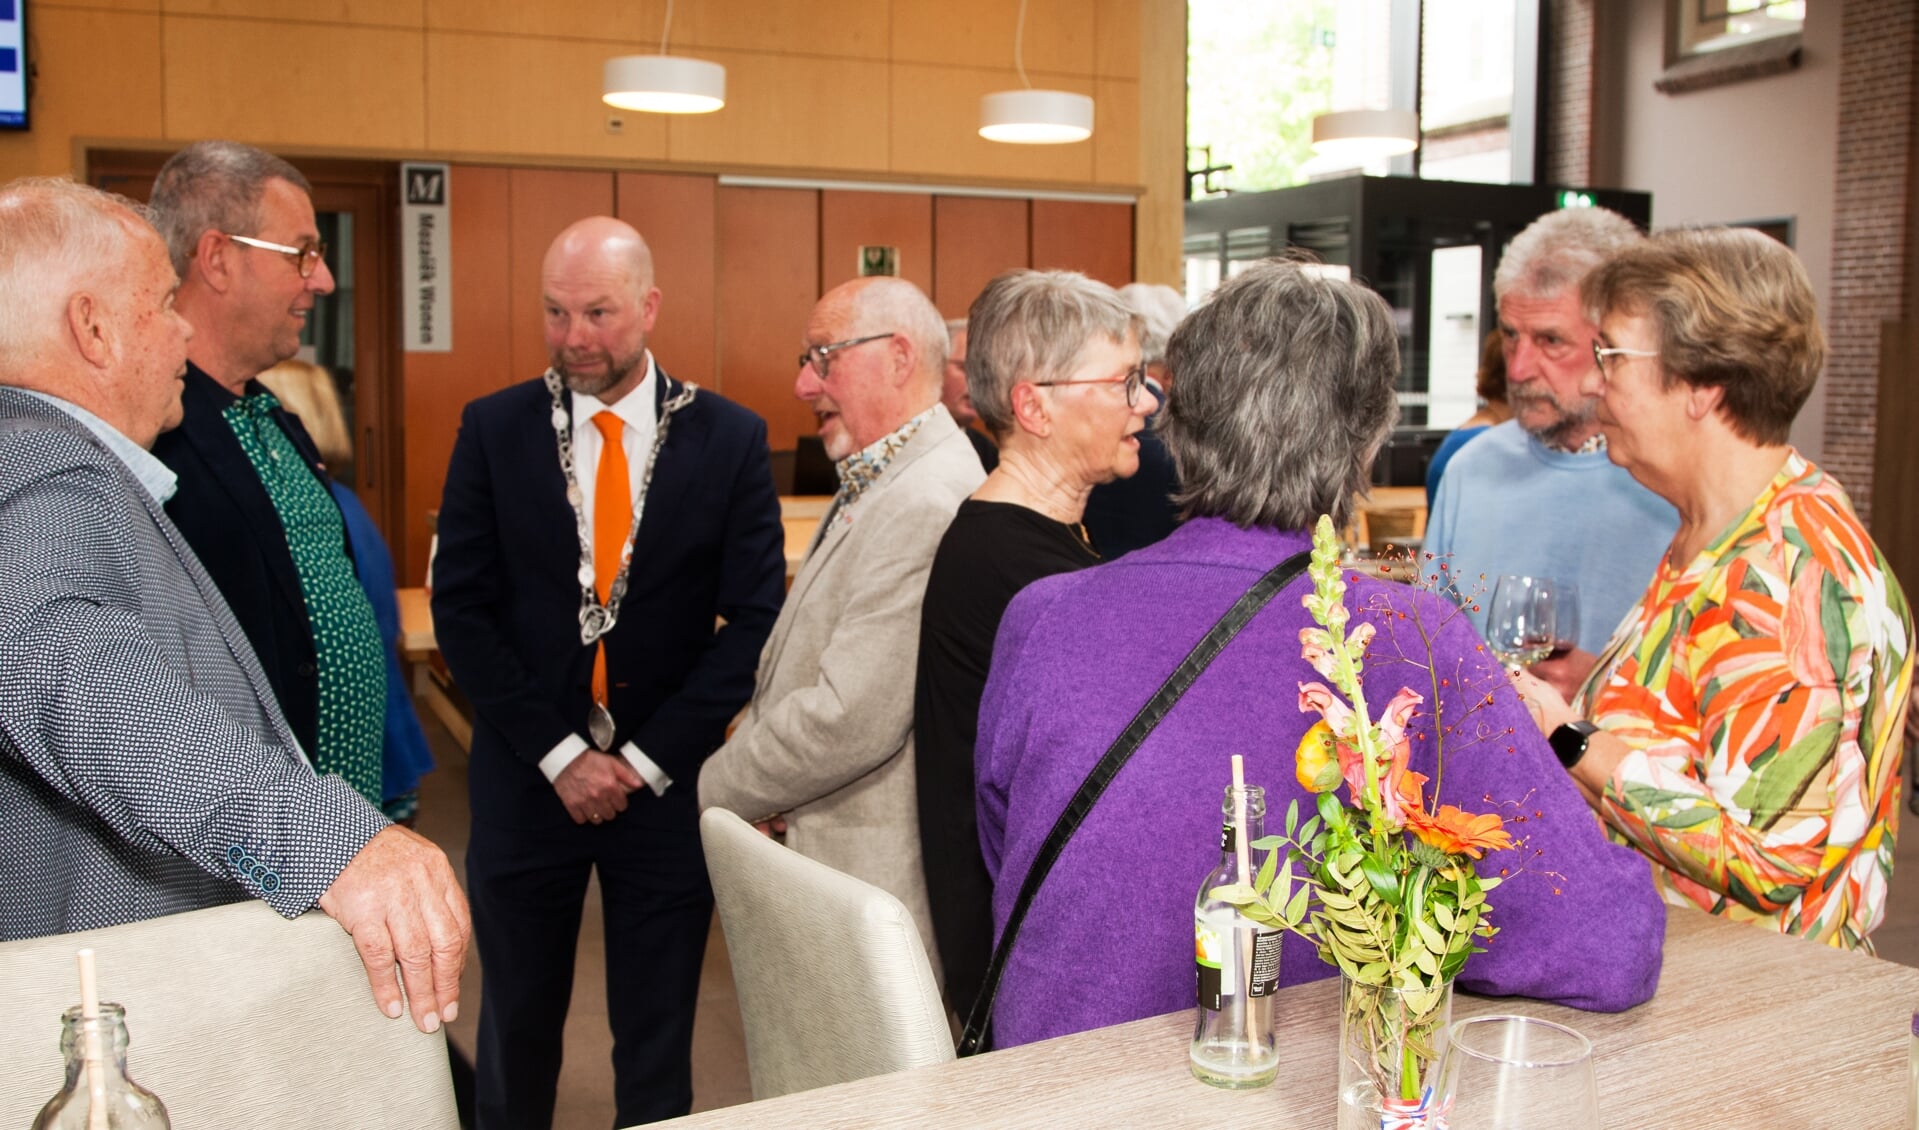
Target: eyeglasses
(1135,380)
(306,257)
(821,356)
(1602,357)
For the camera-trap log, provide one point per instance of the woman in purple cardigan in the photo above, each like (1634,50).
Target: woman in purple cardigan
(1282,393)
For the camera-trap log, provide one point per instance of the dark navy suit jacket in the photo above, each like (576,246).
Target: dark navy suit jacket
(506,596)
(228,518)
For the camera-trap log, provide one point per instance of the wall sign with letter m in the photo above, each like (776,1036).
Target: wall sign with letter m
(425,185)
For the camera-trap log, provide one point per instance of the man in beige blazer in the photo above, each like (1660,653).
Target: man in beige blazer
(827,742)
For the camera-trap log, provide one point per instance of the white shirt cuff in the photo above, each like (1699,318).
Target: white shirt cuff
(561,756)
(655,777)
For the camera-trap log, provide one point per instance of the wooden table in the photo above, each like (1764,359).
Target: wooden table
(432,682)
(1749,1029)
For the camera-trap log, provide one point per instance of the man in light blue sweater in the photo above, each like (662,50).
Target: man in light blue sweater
(1537,495)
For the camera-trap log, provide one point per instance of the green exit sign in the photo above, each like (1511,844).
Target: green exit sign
(1574,198)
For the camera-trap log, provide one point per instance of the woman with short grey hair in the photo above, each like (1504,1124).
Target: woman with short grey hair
(1052,362)
(1281,395)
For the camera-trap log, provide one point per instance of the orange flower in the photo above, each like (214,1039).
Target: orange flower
(1456,832)
(1317,749)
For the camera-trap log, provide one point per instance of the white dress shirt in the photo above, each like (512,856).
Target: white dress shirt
(637,411)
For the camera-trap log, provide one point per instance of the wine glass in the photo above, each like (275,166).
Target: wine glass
(1522,626)
(1514,1072)
(1565,617)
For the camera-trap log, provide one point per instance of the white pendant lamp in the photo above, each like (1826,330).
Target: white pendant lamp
(662,83)
(1034,117)
(1358,137)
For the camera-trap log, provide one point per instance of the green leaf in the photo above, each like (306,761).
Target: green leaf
(1384,882)
(1426,963)
(1264,880)
(1330,810)
(1444,914)
(1239,894)
(1292,818)
(1267,843)
(1433,939)
(1309,829)
(1334,900)
(1296,908)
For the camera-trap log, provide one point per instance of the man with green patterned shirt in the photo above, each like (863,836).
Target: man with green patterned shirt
(253,500)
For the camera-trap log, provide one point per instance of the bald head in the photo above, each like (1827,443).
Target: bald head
(600,305)
(886,369)
(888,305)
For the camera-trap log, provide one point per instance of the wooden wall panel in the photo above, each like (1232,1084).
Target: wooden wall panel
(1116,151)
(115,5)
(676,215)
(1059,34)
(385,13)
(544,202)
(437,386)
(524,77)
(282,83)
(637,20)
(940,135)
(1116,38)
(850,220)
(1073,235)
(98,71)
(769,274)
(974,239)
(795,111)
(845,28)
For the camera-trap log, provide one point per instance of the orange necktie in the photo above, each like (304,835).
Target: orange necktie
(612,518)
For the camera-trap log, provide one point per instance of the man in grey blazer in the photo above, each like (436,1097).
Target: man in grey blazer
(827,742)
(145,767)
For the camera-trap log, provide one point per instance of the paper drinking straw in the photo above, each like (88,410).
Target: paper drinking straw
(90,1026)
(1245,876)
(1239,817)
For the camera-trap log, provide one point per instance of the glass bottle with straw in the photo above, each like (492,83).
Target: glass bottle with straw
(98,1094)
(1237,959)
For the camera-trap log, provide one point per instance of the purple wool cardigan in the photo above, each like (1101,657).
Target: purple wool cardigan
(1109,937)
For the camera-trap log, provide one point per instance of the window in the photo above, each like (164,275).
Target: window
(1714,25)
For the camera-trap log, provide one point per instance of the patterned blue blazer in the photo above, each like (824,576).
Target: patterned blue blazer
(145,768)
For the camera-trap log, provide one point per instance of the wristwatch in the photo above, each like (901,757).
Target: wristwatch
(1570,740)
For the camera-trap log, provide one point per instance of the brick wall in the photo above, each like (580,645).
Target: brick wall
(1879,46)
(1568,78)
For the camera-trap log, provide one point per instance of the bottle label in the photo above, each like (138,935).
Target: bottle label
(1211,956)
(1265,963)
(1226,842)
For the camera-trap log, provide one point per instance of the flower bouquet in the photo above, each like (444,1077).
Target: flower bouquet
(1386,887)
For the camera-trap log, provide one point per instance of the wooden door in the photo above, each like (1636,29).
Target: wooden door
(1077,235)
(974,239)
(852,220)
(768,281)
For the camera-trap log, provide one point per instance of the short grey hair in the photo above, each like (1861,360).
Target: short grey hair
(214,186)
(1033,326)
(1282,392)
(1558,250)
(56,238)
(1160,308)
(892,305)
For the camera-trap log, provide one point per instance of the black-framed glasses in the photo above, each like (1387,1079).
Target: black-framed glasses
(306,258)
(1135,380)
(821,356)
(1603,355)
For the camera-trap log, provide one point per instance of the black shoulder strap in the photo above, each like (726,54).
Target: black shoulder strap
(1116,756)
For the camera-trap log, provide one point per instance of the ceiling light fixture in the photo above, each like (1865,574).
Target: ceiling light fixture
(1360,137)
(662,83)
(1033,117)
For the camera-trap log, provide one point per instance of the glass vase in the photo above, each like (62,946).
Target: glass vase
(1390,1043)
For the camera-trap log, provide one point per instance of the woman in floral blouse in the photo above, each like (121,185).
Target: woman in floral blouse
(1746,717)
